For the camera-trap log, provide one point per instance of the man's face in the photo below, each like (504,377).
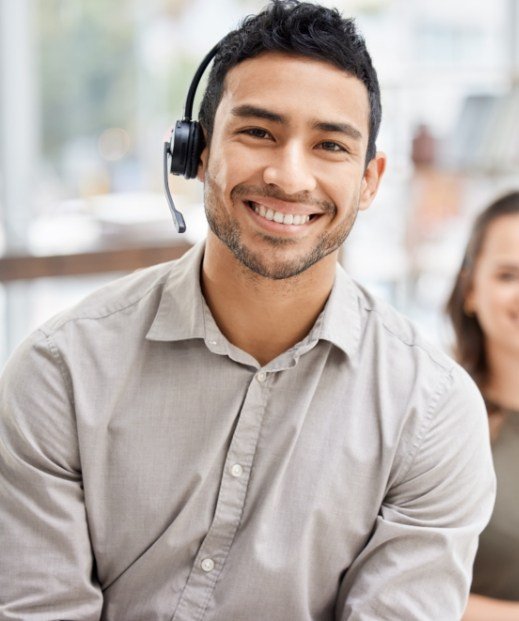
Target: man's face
(285,172)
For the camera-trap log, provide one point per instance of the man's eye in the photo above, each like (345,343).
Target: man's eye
(256,132)
(334,147)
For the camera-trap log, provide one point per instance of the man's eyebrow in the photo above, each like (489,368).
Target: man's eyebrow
(250,111)
(341,128)
(247,110)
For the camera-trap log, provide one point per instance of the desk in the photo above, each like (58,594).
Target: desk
(26,266)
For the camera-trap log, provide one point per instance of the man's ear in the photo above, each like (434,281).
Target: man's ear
(202,164)
(371,180)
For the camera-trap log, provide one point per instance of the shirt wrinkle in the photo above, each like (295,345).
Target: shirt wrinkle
(427,421)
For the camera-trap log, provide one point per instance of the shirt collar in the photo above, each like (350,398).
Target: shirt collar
(340,321)
(180,314)
(183,314)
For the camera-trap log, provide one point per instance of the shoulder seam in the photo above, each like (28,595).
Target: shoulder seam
(106,313)
(425,350)
(61,365)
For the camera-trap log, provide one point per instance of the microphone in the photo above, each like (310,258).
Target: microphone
(178,218)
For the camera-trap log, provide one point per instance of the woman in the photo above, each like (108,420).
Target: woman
(484,309)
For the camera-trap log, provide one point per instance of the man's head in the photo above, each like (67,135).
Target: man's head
(300,29)
(289,123)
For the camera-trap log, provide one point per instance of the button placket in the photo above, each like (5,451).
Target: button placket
(213,553)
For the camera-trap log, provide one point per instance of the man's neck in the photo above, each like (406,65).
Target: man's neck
(262,316)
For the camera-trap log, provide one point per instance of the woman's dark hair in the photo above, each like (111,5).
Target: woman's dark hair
(470,340)
(297,28)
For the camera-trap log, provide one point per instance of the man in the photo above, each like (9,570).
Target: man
(245,433)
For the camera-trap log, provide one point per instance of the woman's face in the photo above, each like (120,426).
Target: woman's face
(494,295)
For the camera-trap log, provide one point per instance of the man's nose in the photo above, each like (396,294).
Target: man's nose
(290,169)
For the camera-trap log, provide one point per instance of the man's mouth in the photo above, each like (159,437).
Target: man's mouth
(279,217)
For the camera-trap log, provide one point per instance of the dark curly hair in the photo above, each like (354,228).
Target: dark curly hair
(470,340)
(302,29)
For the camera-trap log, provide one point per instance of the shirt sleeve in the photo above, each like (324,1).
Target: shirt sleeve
(47,568)
(418,561)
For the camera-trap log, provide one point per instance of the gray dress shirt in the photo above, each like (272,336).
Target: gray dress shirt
(150,470)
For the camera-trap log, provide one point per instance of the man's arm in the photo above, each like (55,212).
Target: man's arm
(418,562)
(47,569)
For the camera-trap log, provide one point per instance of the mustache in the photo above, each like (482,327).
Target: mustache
(269,191)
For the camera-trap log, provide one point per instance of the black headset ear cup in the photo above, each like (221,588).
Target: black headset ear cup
(178,144)
(186,145)
(194,149)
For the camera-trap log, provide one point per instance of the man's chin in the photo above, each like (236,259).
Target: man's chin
(268,256)
(276,266)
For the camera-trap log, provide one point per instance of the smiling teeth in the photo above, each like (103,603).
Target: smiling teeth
(277,216)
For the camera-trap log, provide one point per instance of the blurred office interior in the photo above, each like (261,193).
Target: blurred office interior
(88,90)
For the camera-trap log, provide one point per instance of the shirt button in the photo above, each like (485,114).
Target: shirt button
(212,342)
(261,376)
(236,470)
(207,564)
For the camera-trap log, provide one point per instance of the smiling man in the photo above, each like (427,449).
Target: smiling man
(247,434)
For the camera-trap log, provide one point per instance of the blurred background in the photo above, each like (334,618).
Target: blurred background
(89,89)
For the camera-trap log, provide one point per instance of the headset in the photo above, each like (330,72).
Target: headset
(186,143)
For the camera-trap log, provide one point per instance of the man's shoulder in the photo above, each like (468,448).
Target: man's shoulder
(394,331)
(142,287)
(411,361)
